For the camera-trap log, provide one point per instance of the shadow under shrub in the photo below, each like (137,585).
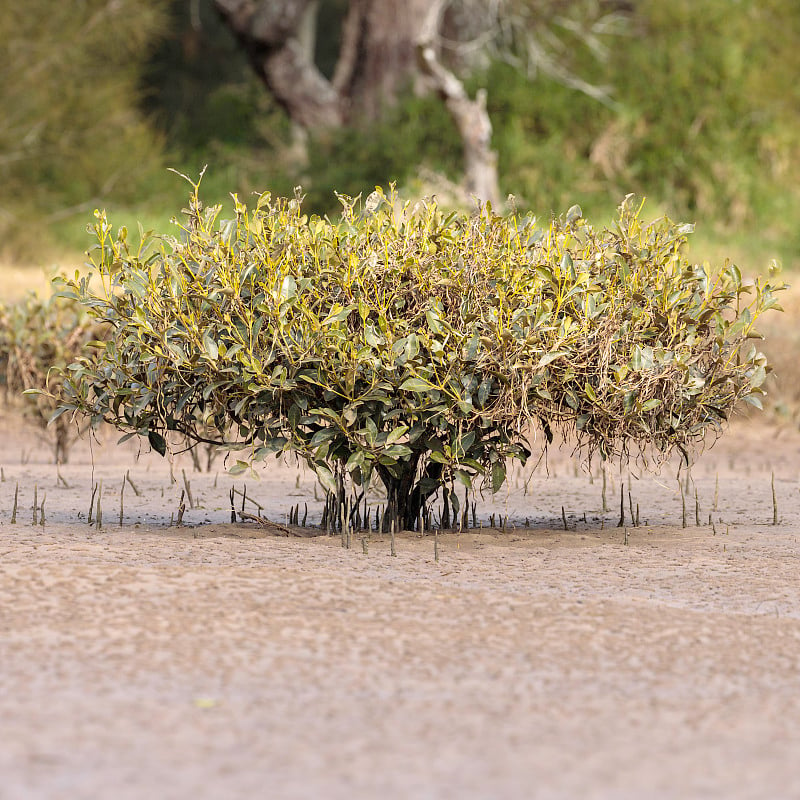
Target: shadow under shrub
(414,346)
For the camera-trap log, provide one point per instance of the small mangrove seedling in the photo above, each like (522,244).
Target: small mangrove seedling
(393,550)
(41,510)
(436,546)
(621,504)
(696,508)
(14,509)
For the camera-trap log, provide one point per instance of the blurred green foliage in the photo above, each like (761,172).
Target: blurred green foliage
(704,107)
(702,121)
(71,133)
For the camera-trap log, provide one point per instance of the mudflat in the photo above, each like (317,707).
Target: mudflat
(537,660)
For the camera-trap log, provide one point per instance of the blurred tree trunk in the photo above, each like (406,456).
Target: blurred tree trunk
(377,56)
(470,116)
(386,46)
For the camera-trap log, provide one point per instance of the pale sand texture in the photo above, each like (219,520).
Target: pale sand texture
(202,662)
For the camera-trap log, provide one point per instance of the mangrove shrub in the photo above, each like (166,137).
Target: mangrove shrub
(420,348)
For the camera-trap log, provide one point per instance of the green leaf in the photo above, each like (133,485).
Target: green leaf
(397,451)
(649,405)
(397,434)
(210,347)
(758,377)
(337,314)
(157,442)
(548,358)
(754,400)
(325,477)
(483,391)
(574,213)
(288,288)
(463,477)
(434,321)
(498,476)
(416,385)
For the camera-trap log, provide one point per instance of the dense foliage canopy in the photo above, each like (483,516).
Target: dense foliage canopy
(422,347)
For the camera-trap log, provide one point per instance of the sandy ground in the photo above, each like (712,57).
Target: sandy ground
(219,661)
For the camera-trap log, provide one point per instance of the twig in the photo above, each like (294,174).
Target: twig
(245,498)
(61,478)
(133,485)
(244,515)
